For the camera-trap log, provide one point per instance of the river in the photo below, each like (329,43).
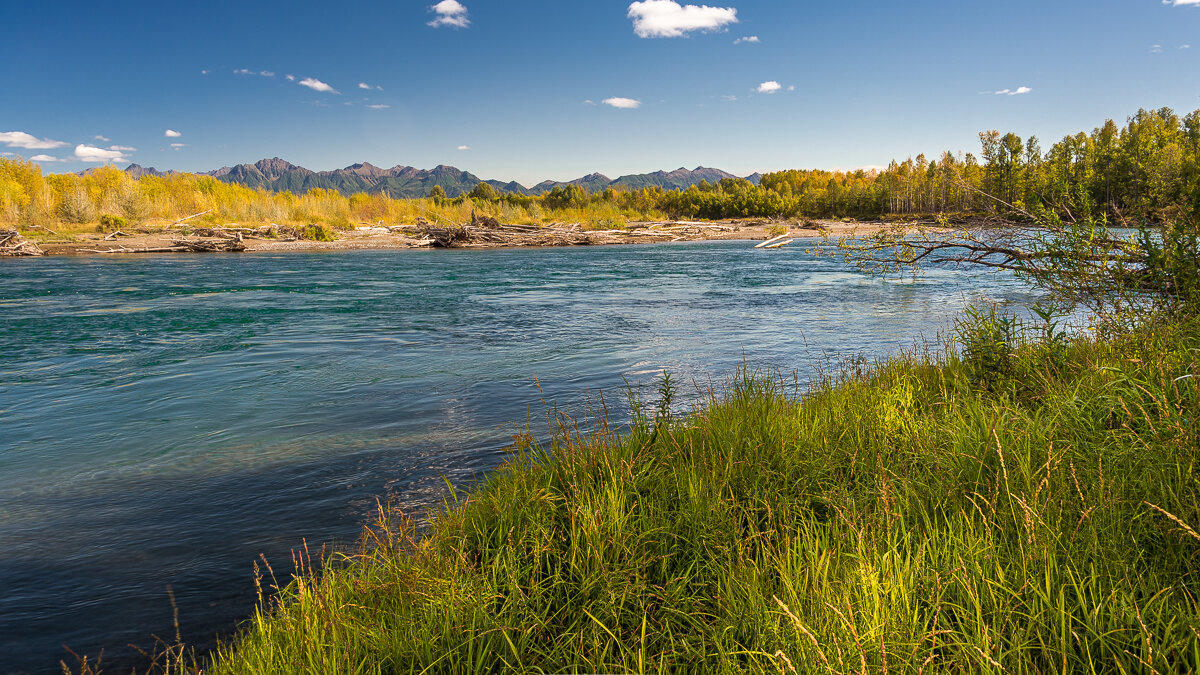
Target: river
(164,420)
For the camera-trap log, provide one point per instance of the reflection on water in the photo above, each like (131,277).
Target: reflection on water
(163,420)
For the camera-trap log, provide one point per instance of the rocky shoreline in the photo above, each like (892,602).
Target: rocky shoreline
(479,233)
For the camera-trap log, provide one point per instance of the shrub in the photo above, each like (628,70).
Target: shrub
(132,203)
(317,232)
(76,207)
(987,338)
(109,223)
(340,221)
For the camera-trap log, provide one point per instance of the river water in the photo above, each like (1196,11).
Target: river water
(164,420)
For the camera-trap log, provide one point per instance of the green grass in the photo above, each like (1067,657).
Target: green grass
(897,518)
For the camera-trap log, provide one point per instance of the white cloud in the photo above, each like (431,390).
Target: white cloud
(450,13)
(317,85)
(247,71)
(769,87)
(20,139)
(176,146)
(364,85)
(43,158)
(171,133)
(1155,49)
(464,147)
(621,102)
(730,99)
(88,153)
(204,71)
(751,39)
(1178,3)
(290,78)
(379,106)
(1013,92)
(98,137)
(791,87)
(122,148)
(667,18)
(1185,46)
(589,102)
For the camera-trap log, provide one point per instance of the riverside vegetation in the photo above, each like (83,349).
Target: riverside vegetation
(1149,167)
(1025,508)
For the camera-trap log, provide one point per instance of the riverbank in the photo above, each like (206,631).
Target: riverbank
(928,514)
(233,237)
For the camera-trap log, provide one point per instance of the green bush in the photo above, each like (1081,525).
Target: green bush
(317,232)
(109,223)
(987,339)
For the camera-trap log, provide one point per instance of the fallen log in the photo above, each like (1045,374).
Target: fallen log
(447,237)
(228,232)
(179,246)
(211,246)
(194,215)
(484,221)
(772,240)
(13,244)
(122,249)
(782,243)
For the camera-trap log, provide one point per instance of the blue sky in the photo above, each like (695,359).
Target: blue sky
(518,90)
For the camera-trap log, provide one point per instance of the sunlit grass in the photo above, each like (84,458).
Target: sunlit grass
(894,518)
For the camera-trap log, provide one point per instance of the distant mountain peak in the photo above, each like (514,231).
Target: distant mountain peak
(275,167)
(279,175)
(365,169)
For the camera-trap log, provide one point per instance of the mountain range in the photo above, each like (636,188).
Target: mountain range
(278,175)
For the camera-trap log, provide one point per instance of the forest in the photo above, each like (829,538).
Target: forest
(1147,169)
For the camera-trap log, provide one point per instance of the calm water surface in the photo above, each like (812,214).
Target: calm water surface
(166,419)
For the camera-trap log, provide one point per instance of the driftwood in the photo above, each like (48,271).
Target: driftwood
(13,244)
(483,221)
(123,249)
(181,246)
(194,215)
(447,237)
(487,232)
(785,242)
(211,246)
(683,225)
(234,233)
(772,240)
(490,235)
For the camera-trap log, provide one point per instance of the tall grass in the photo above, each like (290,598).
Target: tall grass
(896,518)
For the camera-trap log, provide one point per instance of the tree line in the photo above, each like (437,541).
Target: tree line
(1148,168)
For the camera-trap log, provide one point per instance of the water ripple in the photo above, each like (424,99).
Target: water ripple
(165,419)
